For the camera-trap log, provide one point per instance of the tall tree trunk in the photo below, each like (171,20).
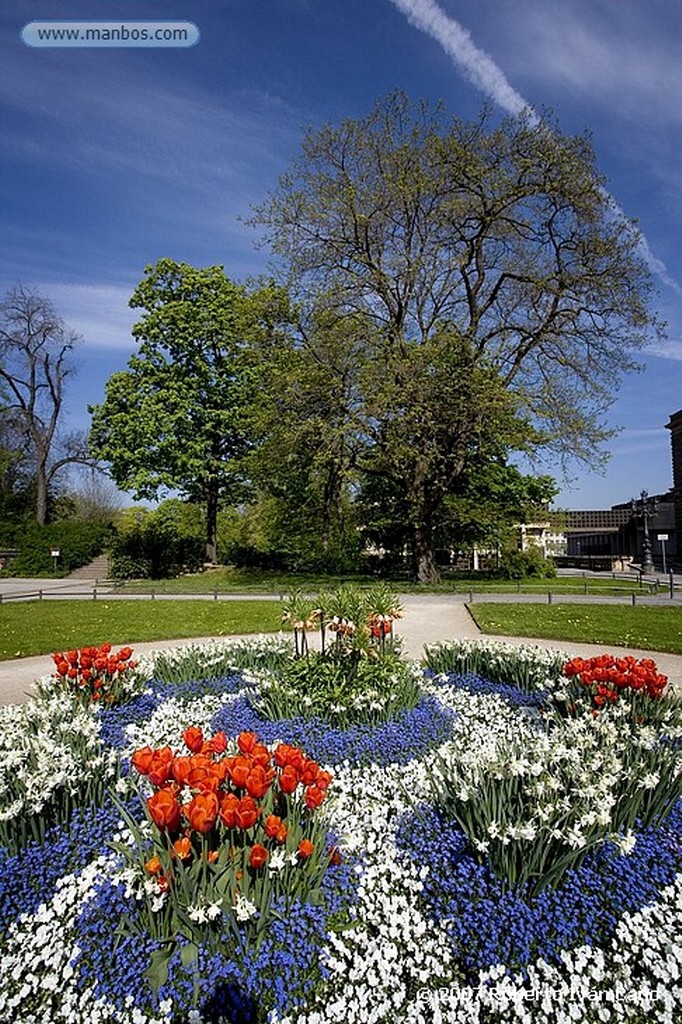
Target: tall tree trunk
(331,510)
(423,555)
(424,565)
(41,493)
(212,523)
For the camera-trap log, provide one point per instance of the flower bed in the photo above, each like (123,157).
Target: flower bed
(419,903)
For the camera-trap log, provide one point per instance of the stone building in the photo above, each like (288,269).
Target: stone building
(675,428)
(613,538)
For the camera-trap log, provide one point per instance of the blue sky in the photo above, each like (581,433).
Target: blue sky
(114,158)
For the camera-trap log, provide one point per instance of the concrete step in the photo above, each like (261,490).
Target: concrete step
(97,569)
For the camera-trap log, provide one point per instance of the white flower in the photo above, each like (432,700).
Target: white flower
(213,911)
(626,843)
(158,902)
(278,860)
(243,908)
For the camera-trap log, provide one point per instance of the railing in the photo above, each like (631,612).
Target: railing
(650,590)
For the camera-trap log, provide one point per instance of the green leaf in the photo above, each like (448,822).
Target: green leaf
(189,954)
(157,972)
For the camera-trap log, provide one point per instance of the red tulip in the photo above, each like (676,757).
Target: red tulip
(239,768)
(194,739)
(228,810)
(247,812)
(160,767)
(246,741)
(153,865)
(219,743)
(258,856)
(305,849)
(180,769)
(202,811)
(288,780)
(142,759)
(183,848)
(164,810)
(272,825)
(258,782)
(313,797)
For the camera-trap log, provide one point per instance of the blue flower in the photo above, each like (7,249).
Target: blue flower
(29,877)
(515,696)
(487,925)
(405,737)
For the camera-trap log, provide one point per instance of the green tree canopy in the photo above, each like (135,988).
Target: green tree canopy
(498,293)
(178,417)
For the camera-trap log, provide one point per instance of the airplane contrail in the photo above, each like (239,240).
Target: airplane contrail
(475,64)
(482,71)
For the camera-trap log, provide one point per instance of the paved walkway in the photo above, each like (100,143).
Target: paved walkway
(427,619)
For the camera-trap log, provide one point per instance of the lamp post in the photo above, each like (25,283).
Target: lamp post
(645,507)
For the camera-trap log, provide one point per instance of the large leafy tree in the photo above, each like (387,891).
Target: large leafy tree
(179,417)
(500,293)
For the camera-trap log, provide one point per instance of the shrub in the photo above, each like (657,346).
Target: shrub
(126,567)
(78,542)
(158,543)
(518,565)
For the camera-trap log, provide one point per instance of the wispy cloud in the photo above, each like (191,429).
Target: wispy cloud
(617,53)
(485,75)
(642,442)
(164,153)
(671,349)
(98,312)
(657,266)
(172,132)
(160,166)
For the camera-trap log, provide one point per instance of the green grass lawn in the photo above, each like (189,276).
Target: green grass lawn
(260,581)
(40,627)
(648,628)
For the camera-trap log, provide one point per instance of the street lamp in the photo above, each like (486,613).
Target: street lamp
(645,507)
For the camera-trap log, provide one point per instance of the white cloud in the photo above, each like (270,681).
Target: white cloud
(640,441)
(215,152)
